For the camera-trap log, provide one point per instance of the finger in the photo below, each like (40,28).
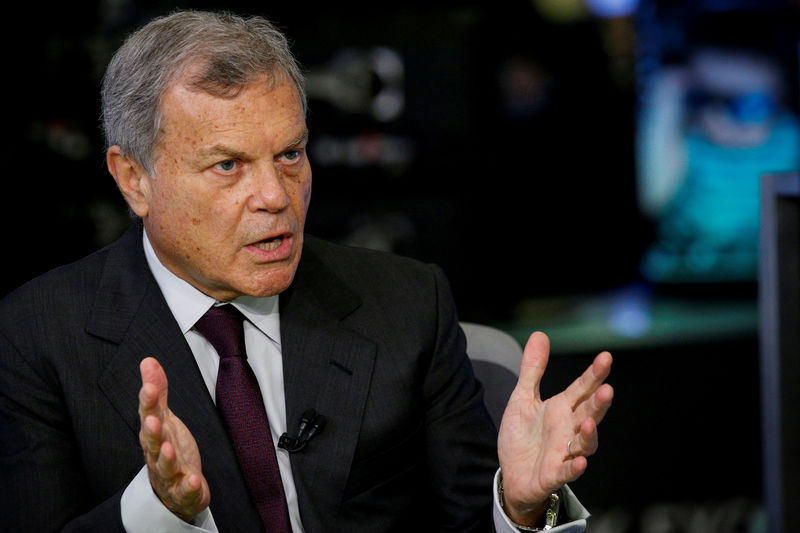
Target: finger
(151,419)
(582,388)
(597,405)
(190,489)
(585,442)
(148,401)
(166,465)
(534,362)
(150,437)
(572,469)
(155,380)
(184,489)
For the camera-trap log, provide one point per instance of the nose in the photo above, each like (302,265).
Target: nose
(269,191)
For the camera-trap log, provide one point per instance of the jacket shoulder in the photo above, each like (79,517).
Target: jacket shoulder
(69,290)
(69,285)
(359,265)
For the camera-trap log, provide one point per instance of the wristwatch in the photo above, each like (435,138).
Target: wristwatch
(551,513)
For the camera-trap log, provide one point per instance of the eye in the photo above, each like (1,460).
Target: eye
(291,155)
(227,166)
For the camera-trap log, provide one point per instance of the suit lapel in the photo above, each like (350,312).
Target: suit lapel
(327,367)
(131,312)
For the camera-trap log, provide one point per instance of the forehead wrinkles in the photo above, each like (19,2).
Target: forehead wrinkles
(200,76)
(261,111)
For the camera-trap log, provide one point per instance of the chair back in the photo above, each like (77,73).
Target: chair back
(495,357)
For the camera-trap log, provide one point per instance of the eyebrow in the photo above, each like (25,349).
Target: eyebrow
(221,149)
(300,139)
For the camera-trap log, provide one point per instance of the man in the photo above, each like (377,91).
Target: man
(205,120)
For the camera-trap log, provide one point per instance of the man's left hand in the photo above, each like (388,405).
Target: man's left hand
(544,444)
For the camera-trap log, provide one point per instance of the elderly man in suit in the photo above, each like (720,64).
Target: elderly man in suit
(243,338)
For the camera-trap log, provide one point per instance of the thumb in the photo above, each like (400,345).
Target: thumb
(534,362)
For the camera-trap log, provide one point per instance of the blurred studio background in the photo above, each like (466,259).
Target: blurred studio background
(589,168)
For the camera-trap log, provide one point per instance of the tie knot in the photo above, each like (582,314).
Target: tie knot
(222,327)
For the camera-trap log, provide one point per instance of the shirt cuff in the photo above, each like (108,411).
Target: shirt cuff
(575,513)
(143,512)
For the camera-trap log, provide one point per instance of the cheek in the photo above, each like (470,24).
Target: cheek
(174,209)
(188,219)
(297,187)
(304,194)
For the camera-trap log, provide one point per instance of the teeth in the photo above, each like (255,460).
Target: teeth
(270,245)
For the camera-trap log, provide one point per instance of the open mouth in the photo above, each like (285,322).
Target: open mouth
(269,245)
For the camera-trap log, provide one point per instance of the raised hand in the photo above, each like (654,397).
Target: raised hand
(170,451)
(543,444)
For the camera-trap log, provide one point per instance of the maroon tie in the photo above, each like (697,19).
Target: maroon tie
(242,406)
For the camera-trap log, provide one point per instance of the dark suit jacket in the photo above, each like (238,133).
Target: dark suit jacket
(369,340)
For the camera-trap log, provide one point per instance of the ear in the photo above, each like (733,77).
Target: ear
(132,179)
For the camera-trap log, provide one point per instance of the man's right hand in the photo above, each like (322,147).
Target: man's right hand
(170,451)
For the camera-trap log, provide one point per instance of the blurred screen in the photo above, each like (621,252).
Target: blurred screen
(717,109)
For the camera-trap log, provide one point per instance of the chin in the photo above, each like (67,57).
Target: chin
(273,284)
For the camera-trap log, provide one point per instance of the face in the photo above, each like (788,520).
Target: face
(226,205)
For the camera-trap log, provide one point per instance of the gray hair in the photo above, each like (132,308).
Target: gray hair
(225,53)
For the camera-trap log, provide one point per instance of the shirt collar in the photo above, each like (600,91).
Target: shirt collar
(189,304)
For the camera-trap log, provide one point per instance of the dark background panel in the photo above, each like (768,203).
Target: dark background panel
(507,152)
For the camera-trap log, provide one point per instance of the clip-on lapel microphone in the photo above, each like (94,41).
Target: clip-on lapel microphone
(310,424)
